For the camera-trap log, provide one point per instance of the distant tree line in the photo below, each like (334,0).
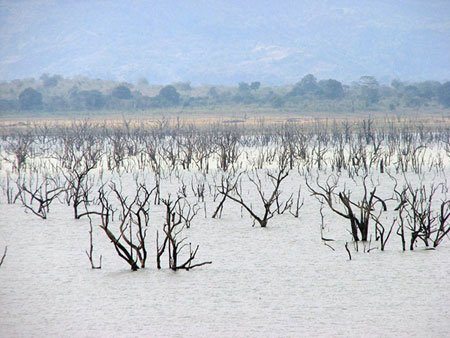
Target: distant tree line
(54,93)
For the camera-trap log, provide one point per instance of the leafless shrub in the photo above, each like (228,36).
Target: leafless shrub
(443,227)
(348,251)
(359,213)
(117,155)
(228,183)
(417,215)
(77,178)
(381,234)
(204,148)
(187,211)
(227,145)
(37,195)
(298,204)
(8,188)
(169,154)
(356,149)
(133,224)
(267,200)
(90,253)
(20,146)
(173,241)
(198,189)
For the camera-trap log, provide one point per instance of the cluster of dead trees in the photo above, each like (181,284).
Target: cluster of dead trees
(128,234)
(352,148)
(173,243)
(248,167)
(417,214)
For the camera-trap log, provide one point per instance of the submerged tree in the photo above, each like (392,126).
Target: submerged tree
(173,242)
(3,256)
(270,201)
(359,212)
(133,224)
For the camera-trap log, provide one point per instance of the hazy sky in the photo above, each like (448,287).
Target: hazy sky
(226,41)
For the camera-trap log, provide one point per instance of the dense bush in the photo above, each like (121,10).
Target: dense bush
(55,93)
(121,92)
(444,94)
(30,99)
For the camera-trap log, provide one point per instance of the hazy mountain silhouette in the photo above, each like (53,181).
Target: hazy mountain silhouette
(226,41)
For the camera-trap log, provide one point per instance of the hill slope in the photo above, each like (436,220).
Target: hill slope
(225,41)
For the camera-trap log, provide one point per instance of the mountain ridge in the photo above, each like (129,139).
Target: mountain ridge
(221,42)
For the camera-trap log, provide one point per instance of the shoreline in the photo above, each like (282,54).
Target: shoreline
(227,117)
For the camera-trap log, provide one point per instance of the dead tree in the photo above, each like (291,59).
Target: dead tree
(298,204)
(319,151)
(348,251)
(358,213)
(186,150)
(121,249)
(169,154)
(187,211)
(151,144)
(41,194)
(381,234)
(228,183)
(20,147)
(133,224)
(173,241)
(322,226)
(118,146)
(4,255)
(289,138)
(78,186)
(366,208)
(399,196)
(204,148)
(227,147)
(267,201)
(401,230)
(90,253)
(157,198)
(199,189)
(416,208)
(417,215)
(11,195)
(443,227)
(182,190)
(170,223)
